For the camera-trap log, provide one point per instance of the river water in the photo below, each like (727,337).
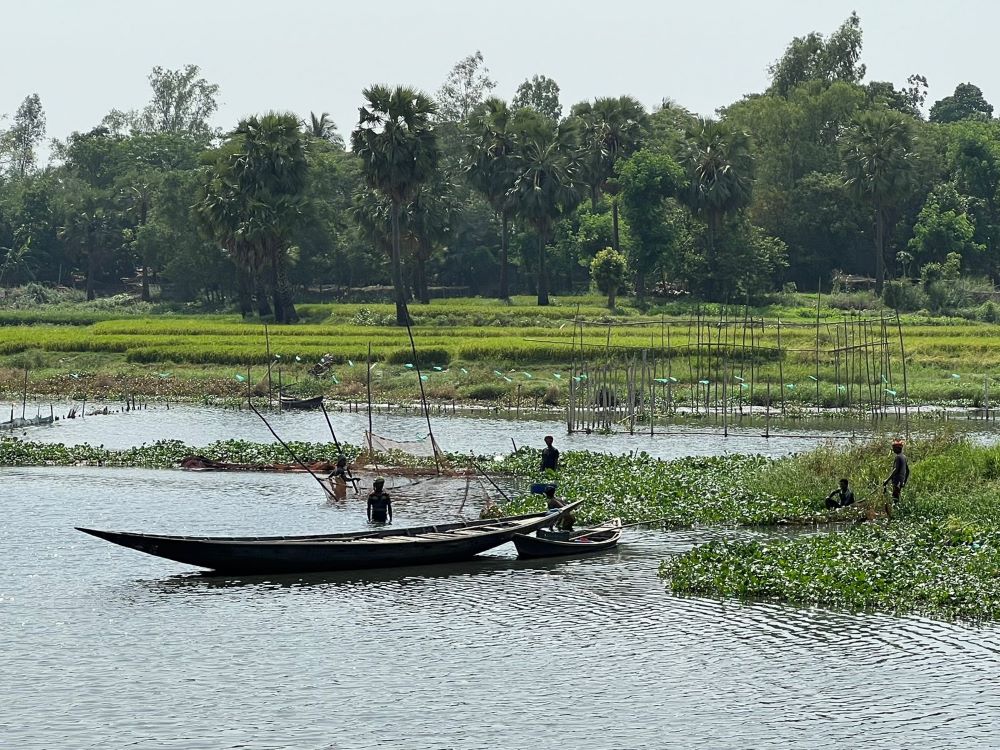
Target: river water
(108,648)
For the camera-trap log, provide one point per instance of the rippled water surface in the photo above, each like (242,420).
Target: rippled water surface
(104,647)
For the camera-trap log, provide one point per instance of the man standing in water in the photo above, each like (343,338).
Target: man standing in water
(379,505)
(550,456)
(339,478)
(899,476)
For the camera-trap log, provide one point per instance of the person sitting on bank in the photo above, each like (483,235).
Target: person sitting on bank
(339,478)
(552,502)
(379,504)
(550,456)
(899,476)
(840,497)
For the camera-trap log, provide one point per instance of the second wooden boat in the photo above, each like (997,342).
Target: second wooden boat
(555,544)
(383,548)
(289,402)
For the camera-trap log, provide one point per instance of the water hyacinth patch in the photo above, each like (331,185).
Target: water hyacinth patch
(684,492)
(937,568)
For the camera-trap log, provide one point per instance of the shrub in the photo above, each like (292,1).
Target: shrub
(903,296)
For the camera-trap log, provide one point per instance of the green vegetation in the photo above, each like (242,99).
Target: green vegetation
(467,347)
(938,557)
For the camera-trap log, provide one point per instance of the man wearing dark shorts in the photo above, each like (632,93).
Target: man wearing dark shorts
(899,476)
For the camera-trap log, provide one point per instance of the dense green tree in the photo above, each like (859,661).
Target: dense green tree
(546,186)
(540,94)
(878,155)
(967,103)
(398,149)
(812,58)
(324,129)
(648,178)
(944,226)
(609,270)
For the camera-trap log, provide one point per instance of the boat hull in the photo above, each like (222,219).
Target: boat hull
(534,547)
(426,545)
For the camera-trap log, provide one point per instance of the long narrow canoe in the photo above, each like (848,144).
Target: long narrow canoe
(384,548)
(290,402)
(599,538)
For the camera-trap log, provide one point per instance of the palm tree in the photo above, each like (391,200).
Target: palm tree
(252,199)
(613,130)
(428,223)
(324,128)
(720,170)
(490,170)
(877,155)
(396,143)
(547,164)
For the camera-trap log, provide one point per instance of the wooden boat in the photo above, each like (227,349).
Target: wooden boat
(202,463)
(386,547)
(290,402)
(554,544)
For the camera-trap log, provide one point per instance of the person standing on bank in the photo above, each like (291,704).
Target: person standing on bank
(899,476)
(379,504)
(550,456)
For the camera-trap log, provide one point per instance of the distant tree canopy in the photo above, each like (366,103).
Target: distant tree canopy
(823,173)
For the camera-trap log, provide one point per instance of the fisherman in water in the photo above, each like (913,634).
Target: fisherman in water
(379,504)
(899,476)
(339,478)
(550,456)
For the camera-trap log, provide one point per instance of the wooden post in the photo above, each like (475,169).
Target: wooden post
(819,289)
(781,370)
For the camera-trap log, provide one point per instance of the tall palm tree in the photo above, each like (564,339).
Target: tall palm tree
(720,170)
(428,223)
(490,170)
(878,155)
(547,164)
(398,148)
(613,130)
(251,201)
(271,169)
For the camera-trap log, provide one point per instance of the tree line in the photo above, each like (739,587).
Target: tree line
(823,174)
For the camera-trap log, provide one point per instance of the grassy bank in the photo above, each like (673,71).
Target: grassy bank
(469,349)
(939,557)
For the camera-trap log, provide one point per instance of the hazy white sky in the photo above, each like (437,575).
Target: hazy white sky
(85,58)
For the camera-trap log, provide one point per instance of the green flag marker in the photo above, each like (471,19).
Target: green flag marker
(705,382)
(238,377)
(507,379)
(790,386)
(498,373)
(408,365)
(890,392)
(436,367)
(557,376)
(813,379)
(956,376)
(350,363)
(334,378)
(737,378)
(424,377)
(526,374)
(841,387)
(298,358)
(464,371)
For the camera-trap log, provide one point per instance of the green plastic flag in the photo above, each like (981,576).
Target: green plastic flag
(705,382)
(464,371)
(557,376)
(813,379)
(790,386)
(507,379)
(438,368)
(408,365)
(163,374)
(298,358)
(424,377)
(498,373)
(744,385)
(350,363)
(526,374)
(841,387)
(890,392)
(956,376)
(737,378)
(334,378)
(240,378)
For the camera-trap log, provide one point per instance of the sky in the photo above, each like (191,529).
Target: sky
(86,58)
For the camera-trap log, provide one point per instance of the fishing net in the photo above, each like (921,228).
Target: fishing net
(406,457)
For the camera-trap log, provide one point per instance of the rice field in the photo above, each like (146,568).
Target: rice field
(468,343)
